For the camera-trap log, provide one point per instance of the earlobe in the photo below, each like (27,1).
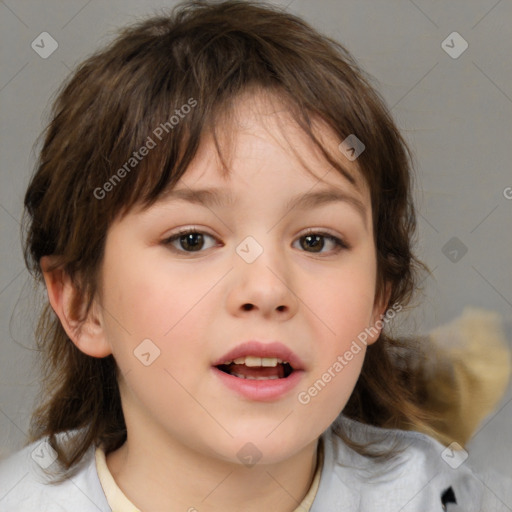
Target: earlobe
(87,332)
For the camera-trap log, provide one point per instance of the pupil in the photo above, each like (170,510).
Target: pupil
(314,242)
(192,241)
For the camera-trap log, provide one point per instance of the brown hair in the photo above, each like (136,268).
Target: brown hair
(208,53)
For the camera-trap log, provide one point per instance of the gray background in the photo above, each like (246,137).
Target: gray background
(455,113)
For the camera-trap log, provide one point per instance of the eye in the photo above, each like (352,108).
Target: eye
(189,240)
(315,242)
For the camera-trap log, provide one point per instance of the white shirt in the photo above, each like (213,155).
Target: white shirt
(413,481)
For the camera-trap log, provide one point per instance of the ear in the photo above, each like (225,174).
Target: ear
(379,309)
(86,333)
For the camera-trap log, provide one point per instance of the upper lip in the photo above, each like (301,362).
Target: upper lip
(262,349)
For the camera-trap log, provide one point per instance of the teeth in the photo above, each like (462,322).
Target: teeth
(273,377)
(254,361)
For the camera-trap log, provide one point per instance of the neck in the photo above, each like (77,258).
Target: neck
(168,476)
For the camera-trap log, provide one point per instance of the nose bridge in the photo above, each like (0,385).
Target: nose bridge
(262,276)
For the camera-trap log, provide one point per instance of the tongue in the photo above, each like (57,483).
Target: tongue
(257,371)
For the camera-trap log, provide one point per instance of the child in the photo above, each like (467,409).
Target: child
(222,217)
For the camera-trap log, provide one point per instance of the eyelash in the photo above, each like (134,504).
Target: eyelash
(339,243)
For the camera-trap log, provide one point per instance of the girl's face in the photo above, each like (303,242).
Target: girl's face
(275,263)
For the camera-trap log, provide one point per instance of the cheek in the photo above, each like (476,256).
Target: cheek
(151,299)
(168,307)
(326,395)
(345,303)
(171,310)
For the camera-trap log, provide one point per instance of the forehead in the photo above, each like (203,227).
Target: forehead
(259,131)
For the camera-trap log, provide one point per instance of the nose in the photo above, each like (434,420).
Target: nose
(263,287)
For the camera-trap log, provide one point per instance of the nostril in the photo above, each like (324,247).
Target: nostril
(248,307)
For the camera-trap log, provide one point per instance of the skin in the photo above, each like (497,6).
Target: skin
(184,425)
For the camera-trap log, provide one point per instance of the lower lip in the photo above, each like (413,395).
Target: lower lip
(261,390)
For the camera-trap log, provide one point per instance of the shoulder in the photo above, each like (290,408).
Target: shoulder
(25,485)
(420,475)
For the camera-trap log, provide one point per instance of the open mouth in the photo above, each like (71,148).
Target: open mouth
(257,368)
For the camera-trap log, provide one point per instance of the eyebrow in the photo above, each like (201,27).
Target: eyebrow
(211,197)
(331,195)
(207,196)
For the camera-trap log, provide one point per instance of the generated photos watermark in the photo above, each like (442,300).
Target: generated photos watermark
(304,397)
(150,143)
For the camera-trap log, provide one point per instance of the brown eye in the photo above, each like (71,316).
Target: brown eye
(316,242)
(190,241)
(313,242)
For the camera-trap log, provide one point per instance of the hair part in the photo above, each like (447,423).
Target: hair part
(210,53)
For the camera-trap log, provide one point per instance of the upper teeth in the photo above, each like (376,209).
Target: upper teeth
(257,361)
